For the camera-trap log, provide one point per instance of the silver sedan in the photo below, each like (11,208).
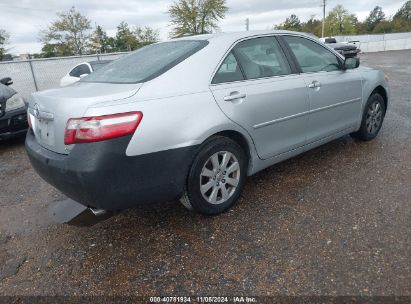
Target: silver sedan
(191,118)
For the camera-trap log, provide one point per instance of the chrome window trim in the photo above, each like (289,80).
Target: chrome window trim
(338,55)
(253,80)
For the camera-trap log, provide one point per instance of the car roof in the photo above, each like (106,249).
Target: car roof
(234,36)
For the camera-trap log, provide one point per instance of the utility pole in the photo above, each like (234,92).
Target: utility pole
(247,24)
(323,5)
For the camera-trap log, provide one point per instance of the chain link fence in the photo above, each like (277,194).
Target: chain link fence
(41,74)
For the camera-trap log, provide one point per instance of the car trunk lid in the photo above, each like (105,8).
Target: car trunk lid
(50,110)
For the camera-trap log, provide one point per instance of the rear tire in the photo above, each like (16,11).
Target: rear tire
(372,118)
(216,177)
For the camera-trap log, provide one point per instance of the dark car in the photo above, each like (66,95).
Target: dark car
(13,113)
(348,50)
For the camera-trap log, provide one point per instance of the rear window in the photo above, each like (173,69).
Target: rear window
(146,63)
(98,65)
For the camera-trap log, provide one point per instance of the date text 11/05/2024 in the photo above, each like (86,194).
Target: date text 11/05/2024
(238,299)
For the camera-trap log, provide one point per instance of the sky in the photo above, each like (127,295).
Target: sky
(23,19)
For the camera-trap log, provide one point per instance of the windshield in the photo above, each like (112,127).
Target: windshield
(146,63)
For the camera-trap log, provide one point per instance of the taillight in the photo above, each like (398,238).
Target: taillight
(29,118)
(93,129)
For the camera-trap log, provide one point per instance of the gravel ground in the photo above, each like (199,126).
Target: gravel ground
(333,221)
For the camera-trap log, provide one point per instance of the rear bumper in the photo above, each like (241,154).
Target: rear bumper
(348,53)
(13,123)
(100,175)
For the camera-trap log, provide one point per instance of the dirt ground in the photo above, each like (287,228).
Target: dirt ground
(333,221)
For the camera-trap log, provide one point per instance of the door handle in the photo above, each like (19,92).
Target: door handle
(234,96)
(314,84)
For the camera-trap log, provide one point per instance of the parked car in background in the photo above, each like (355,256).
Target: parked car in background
(191,118)
(13,113)
(81,70)
(346,49)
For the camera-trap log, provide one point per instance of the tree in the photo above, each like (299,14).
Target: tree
(400,24)
(70,29)
(193,17)
(339,21)
(375,17)
(402,19)
(111,44)
(146,35)
(404,12)
(313,26)
(291,23)
(384,26)
(99,41)
(131,38)
(55,50)
(4,37)
(125,39)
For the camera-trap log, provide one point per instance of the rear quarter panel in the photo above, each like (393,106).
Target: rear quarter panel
(174,122)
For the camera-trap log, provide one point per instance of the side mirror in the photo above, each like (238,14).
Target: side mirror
(83,75)
(351,63)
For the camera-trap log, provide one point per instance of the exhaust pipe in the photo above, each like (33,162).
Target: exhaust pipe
(98,212)
(72,213)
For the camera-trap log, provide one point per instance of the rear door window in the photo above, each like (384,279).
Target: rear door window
(229,71)
(262,57)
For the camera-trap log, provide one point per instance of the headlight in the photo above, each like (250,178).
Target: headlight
(14,102)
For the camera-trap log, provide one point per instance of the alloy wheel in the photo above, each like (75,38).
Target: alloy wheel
(374,117)
(219,177)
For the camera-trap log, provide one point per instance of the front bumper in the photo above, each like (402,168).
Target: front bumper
(101,176)
(13,123)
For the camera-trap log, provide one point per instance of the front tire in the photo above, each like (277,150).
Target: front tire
(372,119)
(216,178)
